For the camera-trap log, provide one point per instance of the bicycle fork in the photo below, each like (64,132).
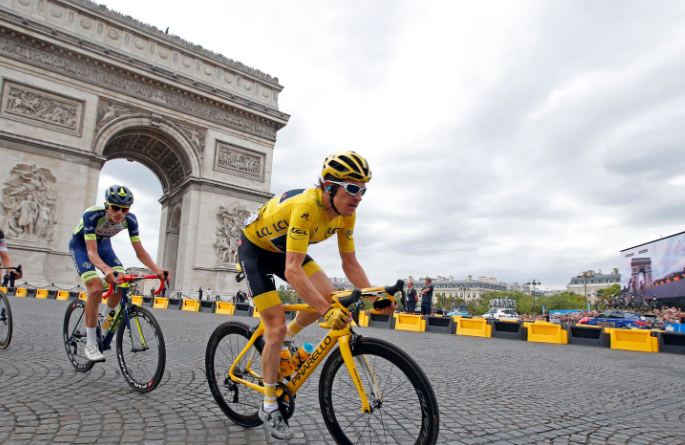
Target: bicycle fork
(374,391)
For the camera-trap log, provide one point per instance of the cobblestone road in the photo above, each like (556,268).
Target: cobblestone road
(489,390)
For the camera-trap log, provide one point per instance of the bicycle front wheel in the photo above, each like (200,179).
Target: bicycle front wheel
(74,333)
(141,352)
(393,382)
(240,403)
(5,321)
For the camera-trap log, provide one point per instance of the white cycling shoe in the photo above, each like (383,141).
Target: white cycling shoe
(93,354)
(275,424)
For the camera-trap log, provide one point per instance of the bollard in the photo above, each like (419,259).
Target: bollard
(587,336)
(510,330)
(474,327)
(42,294)
(63,295)
(243,310)
(223,307)
(671,342)
(207,306)
(633,340)
(442,325)
(381,321)
(148,301)
(546,333)
(190,305)
(175,303)
(160,303)
(52,294)
(407,322)
(20,292)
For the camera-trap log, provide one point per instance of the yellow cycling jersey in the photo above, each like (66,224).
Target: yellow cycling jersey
(295,219)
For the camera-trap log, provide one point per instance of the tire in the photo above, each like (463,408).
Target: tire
(656,306)
(396,374)
(74,333)
(240,403)
(5,321)
(142,363)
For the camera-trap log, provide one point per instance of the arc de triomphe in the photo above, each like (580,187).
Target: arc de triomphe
(82,85)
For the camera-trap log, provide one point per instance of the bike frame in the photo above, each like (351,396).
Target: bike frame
(342,337)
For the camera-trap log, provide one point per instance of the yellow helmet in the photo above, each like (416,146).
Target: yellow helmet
(347,165)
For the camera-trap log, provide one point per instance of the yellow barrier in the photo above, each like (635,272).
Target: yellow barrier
(137,300)
(82,296)
(473,327)
(546,333)
(21,292)
(633,340)
(407,322)
(191,305)
(255,313)
(62,295)
(160,303)
(224,307)
(3,289)
(42,293)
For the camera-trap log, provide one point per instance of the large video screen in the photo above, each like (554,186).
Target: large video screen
(656,268)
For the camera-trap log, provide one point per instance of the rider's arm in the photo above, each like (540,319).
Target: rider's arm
(146,259)
(353,270)
(298,279)
(92,246)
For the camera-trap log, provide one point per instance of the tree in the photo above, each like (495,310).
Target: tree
(611,290)
(287,296)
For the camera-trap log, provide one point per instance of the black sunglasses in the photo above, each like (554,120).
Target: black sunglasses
(352,189)
(119,209)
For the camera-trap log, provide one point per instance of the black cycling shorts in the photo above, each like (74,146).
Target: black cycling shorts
(260,266)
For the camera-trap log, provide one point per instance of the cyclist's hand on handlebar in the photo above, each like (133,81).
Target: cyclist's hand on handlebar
(336,318)
(109,277)
(161,274)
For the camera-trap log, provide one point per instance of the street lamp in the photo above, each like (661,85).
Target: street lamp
(533,283)
(585,276)
(463,293)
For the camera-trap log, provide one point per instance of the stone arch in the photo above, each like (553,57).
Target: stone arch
(154,142)
(171,244)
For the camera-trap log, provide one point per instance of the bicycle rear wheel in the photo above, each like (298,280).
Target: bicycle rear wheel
(141,351)
(240,403)
(398,384)
(5,321)
(74,333)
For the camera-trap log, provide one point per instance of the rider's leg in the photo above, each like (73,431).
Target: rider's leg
(274,326)
(94,290)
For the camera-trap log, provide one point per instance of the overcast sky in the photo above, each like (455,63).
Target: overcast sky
(518,140)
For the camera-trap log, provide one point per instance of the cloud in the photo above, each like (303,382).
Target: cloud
(518,140)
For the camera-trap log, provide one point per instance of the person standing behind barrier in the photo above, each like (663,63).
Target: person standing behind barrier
(199,291)
(209,293)
(427,297)
(412,298)
(11,275)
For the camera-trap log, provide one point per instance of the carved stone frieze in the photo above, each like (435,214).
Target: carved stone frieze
(228,233)
(29,201)
(109,110)
(138,88)
(234,159)
(41,108)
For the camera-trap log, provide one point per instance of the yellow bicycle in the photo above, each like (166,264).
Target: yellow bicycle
(380,395)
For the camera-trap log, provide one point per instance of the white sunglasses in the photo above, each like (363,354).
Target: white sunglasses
(352,189)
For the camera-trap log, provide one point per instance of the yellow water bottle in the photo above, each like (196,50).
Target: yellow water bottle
(302,355)
(286,367)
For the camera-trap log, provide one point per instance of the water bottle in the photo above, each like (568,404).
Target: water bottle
(286,366)
(302,355)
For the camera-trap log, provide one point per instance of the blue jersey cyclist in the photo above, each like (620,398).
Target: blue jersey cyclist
(91,248)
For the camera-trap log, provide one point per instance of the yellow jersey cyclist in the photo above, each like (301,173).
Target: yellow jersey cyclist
(91,248)
(274,242)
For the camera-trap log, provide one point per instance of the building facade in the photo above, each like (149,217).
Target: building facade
(579,285)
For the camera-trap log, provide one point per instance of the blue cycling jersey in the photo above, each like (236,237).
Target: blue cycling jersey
(95,225)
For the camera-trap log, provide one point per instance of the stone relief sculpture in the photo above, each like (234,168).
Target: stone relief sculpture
(228,233)
(29,201)
(108,111)
(38,107)
(238,159)
(195,134)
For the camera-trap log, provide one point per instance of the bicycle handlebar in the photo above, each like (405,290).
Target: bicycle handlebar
(357,294)
(133,277)
(17,268)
